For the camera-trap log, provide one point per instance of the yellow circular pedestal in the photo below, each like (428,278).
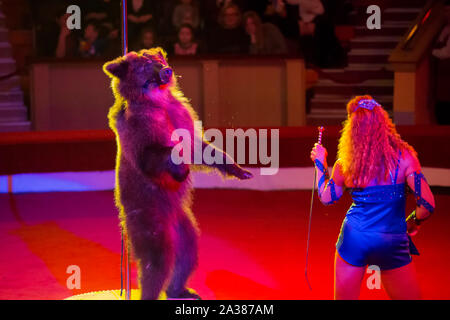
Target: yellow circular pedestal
(106,295)
(115,295)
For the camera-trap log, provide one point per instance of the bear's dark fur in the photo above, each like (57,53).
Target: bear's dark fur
(152,193)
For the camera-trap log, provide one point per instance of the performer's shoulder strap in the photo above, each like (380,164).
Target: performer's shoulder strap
(398,166)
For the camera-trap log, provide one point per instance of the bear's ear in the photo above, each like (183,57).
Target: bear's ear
(117,68)
(162,54)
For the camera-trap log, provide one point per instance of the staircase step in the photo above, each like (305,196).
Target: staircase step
(11,105)
(369,55)
(391,29)
(339,102)
(375,42)
(378,52)
(398,3)
(360,16)
(12,83)
(13,114)
(15,126)
(337,97)
(351,76)
(326,117)
(3,34)
(5,50)
(7,66)
(11,96)
(316,121)
(328,113)
(333,118)
(366,66)
(372,87)
(366,72)
(368,58)
(400,14)
(411,10)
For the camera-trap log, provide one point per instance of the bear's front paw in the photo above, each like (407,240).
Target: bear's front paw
(238,172)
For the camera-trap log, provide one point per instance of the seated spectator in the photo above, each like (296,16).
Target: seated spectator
(186,12)
(140,15)
(264,38)
(258,6)
(97,10)
(443,43)
(164,13)
(229,36)
(146,40)
(210,12)
(339,11)
(47,16)
(91,44)
(285,16)
(186,44)
(318,41)
(67,43)
(106,13)
(308,11)
(274,9)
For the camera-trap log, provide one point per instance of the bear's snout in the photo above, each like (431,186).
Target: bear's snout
(165,74)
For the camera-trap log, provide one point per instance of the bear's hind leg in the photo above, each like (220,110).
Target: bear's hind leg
(186,259)
(155,257)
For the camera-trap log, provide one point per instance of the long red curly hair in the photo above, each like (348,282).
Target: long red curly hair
(369,145)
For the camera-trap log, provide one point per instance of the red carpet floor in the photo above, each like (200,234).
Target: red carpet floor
(252,245)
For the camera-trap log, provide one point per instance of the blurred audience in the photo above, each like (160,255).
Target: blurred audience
(265,38)
(186,12)
(187,27)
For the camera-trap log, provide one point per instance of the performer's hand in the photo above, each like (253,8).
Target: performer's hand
(412,227)
(319,153)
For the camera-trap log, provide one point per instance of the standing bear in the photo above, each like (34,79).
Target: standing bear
(154,193)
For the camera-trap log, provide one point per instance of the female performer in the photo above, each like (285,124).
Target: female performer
(375,165)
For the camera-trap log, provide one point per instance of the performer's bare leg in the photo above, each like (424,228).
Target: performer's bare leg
(347,279)
(401,283)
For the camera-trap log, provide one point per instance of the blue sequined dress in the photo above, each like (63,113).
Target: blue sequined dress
(374,229)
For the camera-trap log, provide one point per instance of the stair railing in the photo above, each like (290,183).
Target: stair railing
(411,62)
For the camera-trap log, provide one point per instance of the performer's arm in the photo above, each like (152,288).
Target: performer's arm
(330,189)
(422,193)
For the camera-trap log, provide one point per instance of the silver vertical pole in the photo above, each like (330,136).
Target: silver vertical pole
(124,234)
